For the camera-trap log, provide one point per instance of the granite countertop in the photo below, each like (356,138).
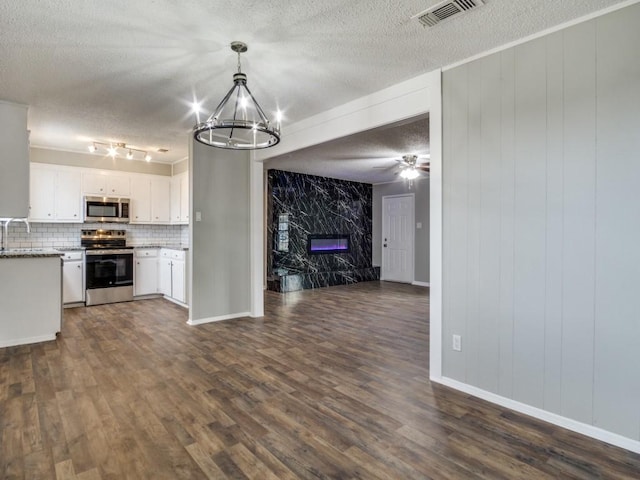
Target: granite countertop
(29,253)
(170,247)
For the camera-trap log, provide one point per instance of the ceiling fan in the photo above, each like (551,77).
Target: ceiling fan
(409,168)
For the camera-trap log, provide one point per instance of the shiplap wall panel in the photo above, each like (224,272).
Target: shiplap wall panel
(617,323)
(530,222)
(507,220)
(579,221)
(555,225)
(474,169)
(455,249)
(554,213)
(489,204)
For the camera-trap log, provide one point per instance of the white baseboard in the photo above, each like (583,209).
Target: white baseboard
(555,419)
(27,340)
(177,302)
(219,318)
(421,284)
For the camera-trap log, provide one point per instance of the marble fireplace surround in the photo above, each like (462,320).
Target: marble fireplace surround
(301,206)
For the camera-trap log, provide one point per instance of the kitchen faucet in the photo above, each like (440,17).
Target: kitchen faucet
(5,236)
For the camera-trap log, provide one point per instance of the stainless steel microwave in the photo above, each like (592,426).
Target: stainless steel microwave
(105,209)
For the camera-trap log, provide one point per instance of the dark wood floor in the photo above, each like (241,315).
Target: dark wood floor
(331,383)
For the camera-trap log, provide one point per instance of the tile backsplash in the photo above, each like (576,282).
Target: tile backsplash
(56,235)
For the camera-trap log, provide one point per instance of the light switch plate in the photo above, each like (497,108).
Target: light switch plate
(457,343)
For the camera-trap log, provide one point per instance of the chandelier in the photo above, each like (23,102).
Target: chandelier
(238,122)
(113,150)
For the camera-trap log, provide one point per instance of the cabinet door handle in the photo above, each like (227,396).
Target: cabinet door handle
(79,266)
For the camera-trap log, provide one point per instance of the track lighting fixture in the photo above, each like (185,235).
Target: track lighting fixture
(114,147)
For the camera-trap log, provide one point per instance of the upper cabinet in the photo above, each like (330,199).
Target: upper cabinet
(55,194)
(150,199)
(105,185)
(14,161)
(161,200)
(140,199)
(180,198)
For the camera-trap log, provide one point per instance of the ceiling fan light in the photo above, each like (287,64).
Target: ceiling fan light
(409,173)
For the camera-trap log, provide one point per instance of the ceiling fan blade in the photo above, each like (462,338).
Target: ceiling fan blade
(384,168)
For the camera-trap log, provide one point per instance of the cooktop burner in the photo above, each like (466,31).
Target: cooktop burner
(104,239)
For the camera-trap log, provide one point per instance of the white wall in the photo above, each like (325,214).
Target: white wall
(102,162)
(540,223)
(420,189)
(220,248)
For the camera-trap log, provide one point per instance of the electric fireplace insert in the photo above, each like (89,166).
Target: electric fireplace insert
(329,243)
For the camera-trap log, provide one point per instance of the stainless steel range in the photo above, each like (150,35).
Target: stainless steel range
(109,266)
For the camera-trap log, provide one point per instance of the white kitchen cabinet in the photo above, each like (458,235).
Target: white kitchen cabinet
(67,198)
(55,194)
(165,276)
(145,272)
(175,199)
(140,199)
(178,290)
(14,177)
(72,277)
(173,278)
(180,199)
(161,200)
(150,199)
(107,185)
(43,191)
(184,198)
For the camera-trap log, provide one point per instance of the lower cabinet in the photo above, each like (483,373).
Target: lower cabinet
(173,274)
(72,277)
(161,271)
(145,271)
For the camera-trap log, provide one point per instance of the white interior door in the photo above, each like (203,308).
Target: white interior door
(397,238)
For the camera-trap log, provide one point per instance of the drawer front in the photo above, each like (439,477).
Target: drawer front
(72,256)
(177,255)
(146,252)
(172,254)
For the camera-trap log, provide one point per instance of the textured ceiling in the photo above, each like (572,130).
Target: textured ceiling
(127,70)
(371,156)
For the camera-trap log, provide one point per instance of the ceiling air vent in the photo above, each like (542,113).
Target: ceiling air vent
(446,10)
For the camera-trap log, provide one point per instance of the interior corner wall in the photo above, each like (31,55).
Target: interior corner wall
(220,248)
(540,223)
(421,190)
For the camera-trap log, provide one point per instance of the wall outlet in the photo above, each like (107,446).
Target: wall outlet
(457,343)
(198,216)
